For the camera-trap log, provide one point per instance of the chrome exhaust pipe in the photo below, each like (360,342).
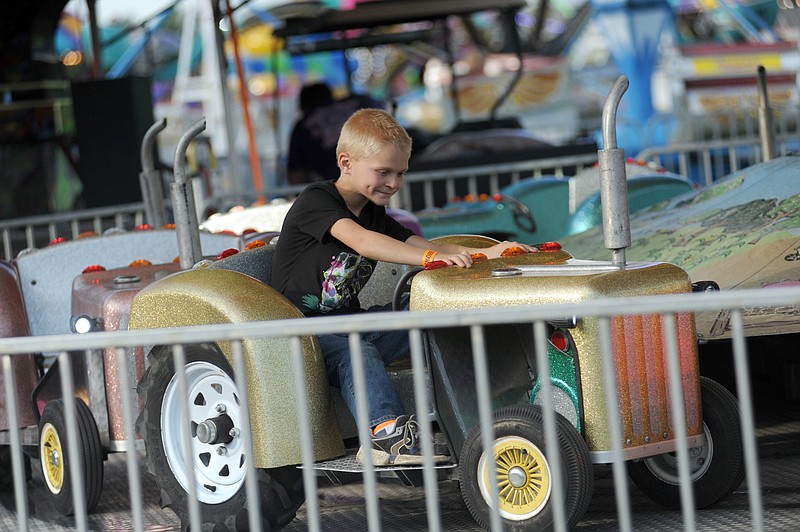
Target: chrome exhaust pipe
(150,178)
(766,125)
(187,227)
(613,181)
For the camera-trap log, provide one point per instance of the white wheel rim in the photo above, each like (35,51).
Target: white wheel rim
(51,454)
(217,477)
(665,466)
(533,496)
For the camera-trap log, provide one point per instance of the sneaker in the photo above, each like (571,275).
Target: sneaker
(400,447)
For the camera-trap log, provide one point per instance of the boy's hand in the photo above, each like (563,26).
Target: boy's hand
(455,261)
(498,249)
(463,259)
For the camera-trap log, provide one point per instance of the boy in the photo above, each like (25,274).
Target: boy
(329,244)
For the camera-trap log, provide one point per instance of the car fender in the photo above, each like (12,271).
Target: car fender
(206,296)
(13,323)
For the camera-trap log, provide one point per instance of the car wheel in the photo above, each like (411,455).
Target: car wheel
(54,445)
(524,474)
(219,458)
(716,468)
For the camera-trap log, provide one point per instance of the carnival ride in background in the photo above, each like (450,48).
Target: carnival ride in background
(548,207)
(553,100)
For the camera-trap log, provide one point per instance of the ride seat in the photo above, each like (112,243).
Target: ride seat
(256,262)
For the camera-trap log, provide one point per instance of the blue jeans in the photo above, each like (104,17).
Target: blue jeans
(378,349)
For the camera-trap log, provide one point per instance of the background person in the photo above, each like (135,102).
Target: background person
(312,145)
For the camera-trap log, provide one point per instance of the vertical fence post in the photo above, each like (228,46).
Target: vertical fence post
(246,434)
(365,438)
(742,373)
(306,438)
(679,421)
(179,357)
(615,429)
(550,437)
(18,469)
(422,408)
(134,480)
(76,473)
(485,416)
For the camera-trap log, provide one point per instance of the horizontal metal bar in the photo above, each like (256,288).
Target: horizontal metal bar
(66,217)
(691,302)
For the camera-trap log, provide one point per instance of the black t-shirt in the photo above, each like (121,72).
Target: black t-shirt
(314,270)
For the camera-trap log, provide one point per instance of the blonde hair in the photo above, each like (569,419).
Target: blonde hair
(368,131)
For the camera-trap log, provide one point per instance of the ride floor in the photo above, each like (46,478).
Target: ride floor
(403,508)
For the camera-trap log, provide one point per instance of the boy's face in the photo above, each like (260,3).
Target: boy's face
(376,178)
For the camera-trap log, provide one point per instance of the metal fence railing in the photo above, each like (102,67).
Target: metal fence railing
(704,162)
(425,189)
(707,161)
(739,121)
(38,231)
(417,323)
(432,188)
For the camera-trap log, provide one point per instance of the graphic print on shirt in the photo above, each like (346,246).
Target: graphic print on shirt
(341,283)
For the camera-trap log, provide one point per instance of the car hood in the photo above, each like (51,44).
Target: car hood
(742,232)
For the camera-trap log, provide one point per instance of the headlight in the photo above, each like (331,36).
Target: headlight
(83,324)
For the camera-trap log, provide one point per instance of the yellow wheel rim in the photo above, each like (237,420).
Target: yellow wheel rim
(52,456)
(523,478)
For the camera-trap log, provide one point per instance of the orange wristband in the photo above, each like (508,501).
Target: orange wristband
(428,256)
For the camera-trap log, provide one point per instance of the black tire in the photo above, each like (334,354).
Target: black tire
(717,469)
(54,445)
(521,427)
(7,468)
(220,483)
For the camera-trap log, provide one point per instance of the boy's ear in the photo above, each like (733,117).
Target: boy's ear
(344,162)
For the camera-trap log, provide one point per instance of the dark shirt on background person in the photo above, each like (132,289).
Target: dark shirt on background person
(312,146)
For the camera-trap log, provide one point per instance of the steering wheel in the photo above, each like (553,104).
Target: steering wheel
(523,216)
(403,287)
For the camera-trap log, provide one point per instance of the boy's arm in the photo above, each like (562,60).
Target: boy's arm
(491,252)
(378,246)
